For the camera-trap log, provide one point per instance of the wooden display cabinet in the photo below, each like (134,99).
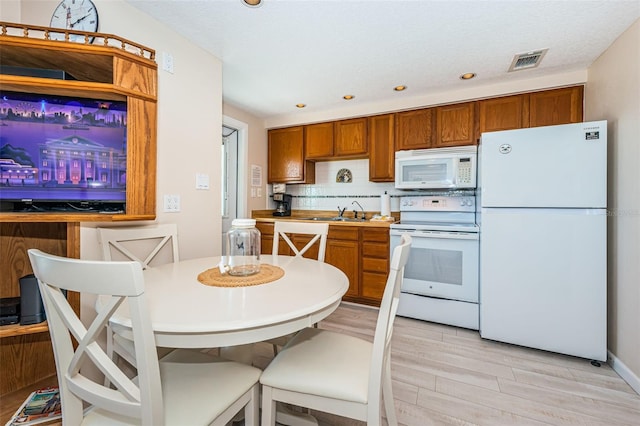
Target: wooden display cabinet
(112,68)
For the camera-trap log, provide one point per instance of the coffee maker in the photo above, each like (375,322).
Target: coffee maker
(283,201)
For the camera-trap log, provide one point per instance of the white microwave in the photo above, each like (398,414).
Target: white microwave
(437,168)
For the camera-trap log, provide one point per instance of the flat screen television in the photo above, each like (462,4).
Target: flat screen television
(61,153)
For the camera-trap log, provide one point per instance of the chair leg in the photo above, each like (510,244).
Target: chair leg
(268,407)
(387,395)
(252,409)
(110,354)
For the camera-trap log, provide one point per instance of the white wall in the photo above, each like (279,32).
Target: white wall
(613,93)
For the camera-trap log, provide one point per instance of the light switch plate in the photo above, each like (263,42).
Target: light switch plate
(202,181)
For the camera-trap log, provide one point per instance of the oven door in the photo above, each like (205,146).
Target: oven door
(441,264)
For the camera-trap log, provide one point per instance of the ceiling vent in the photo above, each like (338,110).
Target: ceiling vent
(527,60)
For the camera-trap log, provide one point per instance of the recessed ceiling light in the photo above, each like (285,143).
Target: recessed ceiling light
(252,3)
(348,97)
(301,105)
(467,76)
(399,88)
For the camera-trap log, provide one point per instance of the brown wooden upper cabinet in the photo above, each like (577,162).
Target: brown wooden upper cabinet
(381,148)
(505,113)
(286,157)
(318,139)
(559,106)
(414,129)
(350,138)
(455,125)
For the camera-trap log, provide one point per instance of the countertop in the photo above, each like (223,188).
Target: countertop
(299,215)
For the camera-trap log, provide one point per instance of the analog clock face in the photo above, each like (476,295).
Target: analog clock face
(78,15)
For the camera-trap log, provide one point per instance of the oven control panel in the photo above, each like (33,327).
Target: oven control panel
(438,203)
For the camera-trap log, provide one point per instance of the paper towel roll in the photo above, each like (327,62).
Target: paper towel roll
(385,204)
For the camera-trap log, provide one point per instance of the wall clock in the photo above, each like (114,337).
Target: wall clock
(79,15)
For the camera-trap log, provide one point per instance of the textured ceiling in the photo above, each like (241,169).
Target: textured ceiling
(315,51)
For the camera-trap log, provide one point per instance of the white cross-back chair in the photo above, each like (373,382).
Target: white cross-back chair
(139,243)
(172,391)
(282,230)
(142,244)
(332,372)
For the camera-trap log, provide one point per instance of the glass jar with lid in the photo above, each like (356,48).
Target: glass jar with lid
(243,249)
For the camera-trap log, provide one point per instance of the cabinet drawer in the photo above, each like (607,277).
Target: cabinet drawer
(343,233)
(375,250)
(373,285)
(375,265)
(376,235)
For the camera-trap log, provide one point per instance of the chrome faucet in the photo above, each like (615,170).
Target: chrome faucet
(355,213)
(341,211)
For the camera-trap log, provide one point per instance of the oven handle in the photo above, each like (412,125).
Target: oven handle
(436,234)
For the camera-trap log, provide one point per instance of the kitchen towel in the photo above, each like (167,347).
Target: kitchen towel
(385,204)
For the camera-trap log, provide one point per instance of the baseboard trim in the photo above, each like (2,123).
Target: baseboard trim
(624,372)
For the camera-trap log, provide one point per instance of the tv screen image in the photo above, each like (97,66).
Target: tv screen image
(62,153)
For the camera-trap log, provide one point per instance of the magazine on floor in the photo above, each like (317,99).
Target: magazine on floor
(41,406)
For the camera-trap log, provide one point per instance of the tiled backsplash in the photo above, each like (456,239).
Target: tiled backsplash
(327,194)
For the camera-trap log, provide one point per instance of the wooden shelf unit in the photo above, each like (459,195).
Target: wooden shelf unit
(111,68)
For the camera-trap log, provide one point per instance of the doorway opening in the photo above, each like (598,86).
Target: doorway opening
(233,173)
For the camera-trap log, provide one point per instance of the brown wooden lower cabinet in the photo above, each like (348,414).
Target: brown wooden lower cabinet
(343,252)
(375,263)
(361,252)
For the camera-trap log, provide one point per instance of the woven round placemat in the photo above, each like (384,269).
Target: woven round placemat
(267,273)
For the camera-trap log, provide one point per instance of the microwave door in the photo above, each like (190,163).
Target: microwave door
(426,173)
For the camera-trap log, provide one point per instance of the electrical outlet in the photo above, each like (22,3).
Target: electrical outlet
(171,203)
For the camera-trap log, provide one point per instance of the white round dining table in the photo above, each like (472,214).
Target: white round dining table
(188,314)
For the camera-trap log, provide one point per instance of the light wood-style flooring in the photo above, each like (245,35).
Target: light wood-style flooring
(446,375)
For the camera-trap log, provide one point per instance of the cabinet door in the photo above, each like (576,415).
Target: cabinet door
(414,129)
(343,252)
(455,125)
(351,138)
(300,241)
(344,255)
(381,148)
(506,113)
(266,237)
(318,139)
(286,157)
(560,106)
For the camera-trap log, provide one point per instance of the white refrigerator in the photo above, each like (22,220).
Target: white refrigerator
(543,238)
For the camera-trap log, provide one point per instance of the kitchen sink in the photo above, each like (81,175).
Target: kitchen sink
(332,219)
